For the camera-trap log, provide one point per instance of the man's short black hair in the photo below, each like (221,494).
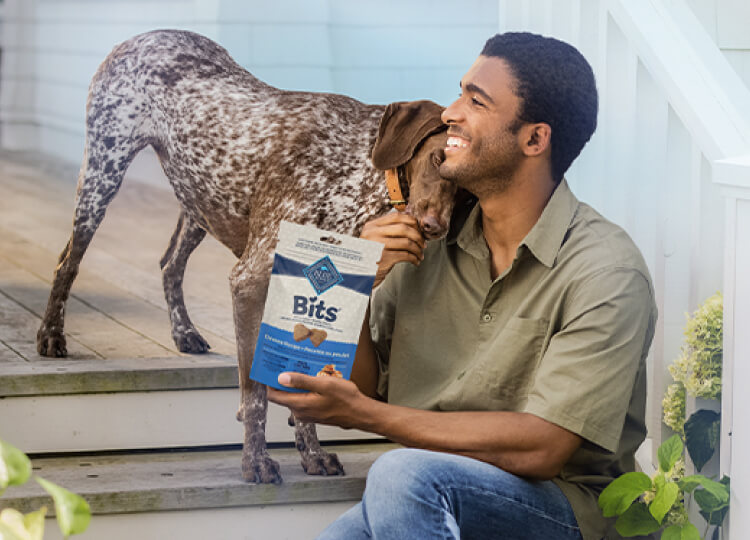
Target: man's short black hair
(556,86)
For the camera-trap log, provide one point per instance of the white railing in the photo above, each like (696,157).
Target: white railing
(670,163)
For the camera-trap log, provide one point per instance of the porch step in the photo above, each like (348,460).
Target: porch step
(138,495)
(74,405)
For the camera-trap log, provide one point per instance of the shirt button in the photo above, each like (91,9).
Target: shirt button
(487,317)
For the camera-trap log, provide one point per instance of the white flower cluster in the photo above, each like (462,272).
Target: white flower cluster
(673,406)
(697,371)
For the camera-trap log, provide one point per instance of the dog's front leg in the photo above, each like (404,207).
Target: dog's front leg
(315,460)
(249,287)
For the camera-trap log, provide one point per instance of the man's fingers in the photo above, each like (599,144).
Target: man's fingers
(393,226)
(403,245)
(299,381)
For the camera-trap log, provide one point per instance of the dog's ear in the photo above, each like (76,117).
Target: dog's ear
(403,126)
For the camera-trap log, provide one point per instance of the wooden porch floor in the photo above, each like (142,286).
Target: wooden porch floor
(117,307)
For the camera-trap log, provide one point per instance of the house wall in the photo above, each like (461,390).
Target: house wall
(373,50)
(727,22)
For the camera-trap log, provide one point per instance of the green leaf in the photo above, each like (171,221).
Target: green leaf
(707,501)
(686,531)
(34,522)
(689,532)
(15,466)
(702,436)
(16,526)
(618,495)
(663,500)
(73,512)
(8,531)
(660,480)
(689,483)
(720,490)
(712,508)
(669,452)
(716,517)
(636,521)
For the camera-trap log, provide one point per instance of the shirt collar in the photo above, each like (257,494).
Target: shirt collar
(543,240)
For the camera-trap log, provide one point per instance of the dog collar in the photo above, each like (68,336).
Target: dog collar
(396,196)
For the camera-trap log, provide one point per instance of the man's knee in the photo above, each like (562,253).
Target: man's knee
(404,495)
(396,472)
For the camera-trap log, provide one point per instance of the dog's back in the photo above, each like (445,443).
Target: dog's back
(231,145)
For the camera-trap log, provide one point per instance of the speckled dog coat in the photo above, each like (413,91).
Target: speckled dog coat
(241,156)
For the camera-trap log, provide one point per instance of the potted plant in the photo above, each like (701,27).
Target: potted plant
(649,504)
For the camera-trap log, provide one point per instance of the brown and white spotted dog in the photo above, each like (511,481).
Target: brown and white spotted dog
(241,156)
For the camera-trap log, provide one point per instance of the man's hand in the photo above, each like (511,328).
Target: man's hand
(402,238)
(330,400)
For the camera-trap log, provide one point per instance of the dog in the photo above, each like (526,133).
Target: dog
(241,157)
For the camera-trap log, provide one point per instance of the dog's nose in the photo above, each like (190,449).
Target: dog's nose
(431,226)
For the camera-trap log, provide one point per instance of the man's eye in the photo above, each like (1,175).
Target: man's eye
(475,101)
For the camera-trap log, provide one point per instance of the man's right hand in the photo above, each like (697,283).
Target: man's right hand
(403,241)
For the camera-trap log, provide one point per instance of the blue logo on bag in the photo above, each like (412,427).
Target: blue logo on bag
(322,275)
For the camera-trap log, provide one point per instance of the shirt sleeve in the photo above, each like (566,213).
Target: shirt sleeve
(586,376)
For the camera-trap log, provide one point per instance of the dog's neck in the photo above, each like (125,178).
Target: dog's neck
(394,180)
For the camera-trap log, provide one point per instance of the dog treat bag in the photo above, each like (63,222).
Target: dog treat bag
(317,298)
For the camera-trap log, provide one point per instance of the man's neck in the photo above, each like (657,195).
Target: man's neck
(508,216)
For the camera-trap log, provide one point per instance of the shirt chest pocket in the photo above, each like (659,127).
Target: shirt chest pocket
(506,362)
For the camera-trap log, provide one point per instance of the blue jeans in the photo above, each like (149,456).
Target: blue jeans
(421,495)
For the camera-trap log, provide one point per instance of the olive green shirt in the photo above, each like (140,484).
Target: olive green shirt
(562,334)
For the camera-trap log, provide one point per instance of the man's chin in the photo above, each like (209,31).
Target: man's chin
(450,173)
(455,175)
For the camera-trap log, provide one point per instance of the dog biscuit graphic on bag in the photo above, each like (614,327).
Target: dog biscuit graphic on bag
(318,336)
(301,332)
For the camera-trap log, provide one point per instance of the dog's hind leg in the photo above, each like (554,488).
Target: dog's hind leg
(186,237)
(98,182)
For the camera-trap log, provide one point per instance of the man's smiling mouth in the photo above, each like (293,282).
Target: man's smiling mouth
(455,143)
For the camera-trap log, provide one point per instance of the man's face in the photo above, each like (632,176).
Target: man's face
(482,150)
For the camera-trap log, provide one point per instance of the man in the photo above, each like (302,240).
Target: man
(511,355)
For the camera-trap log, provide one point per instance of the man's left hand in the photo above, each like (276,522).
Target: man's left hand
(329,400)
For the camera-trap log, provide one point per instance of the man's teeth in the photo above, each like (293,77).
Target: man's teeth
(455,142)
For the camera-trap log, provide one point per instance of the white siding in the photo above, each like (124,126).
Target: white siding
(726,21)
(376,51)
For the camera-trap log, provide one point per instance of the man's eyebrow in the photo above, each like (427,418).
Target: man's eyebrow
(473,88)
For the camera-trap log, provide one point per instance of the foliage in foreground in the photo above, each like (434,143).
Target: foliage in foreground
(72,511)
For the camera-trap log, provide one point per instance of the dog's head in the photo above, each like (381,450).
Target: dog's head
(412,136)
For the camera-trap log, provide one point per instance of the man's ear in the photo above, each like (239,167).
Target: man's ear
(537,138)
(403,126)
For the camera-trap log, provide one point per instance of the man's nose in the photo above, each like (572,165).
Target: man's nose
(451,114)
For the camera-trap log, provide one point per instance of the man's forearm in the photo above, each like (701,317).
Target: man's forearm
(520,443)
(365,368)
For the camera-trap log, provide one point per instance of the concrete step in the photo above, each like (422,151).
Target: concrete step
(198,494)
(53,405)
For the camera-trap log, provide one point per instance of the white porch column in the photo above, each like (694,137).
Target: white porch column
(734,177)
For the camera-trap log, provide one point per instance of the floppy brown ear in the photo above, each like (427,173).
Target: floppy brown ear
(403,126)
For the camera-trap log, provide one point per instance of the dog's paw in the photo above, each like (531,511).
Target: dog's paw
(260,469)
(322,464)
(51,344)
(191,342)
